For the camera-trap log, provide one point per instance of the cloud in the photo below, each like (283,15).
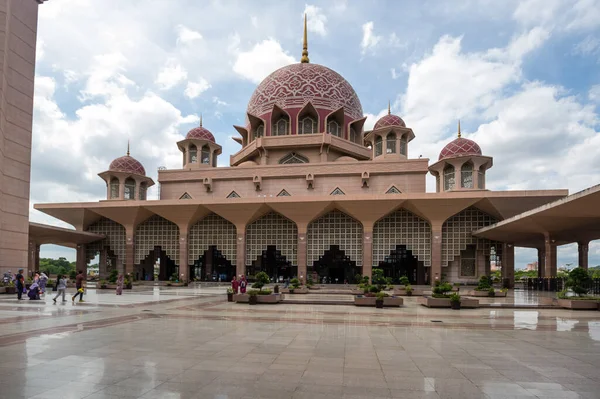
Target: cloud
(264,58)
(562,15)
(395,74)
(590,45)
(369,39)
(186,35)
(194,89)
(171,75)
(594,94)
(316,20)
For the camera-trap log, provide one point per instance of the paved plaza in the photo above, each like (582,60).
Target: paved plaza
(191,343)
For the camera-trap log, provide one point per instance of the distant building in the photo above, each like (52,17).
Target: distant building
(532,266)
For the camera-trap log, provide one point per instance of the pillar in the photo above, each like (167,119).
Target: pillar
(102,264)
(130,249)
(121,188)
(33,260)
(184,268)
(240,262)
(302,254)
(436,253)
(550,262)
(367,249)
(541,262)
(508,264)
(81,261)
(583,250)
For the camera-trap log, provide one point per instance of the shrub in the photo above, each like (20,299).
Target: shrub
(441,290)
(173,277)
(484,284)
(358,278)
(404,280)
(252,292)
(265,292)
(73,275)
(262,279)
(455,297)
(309,281)
(378,278)
(380,296)
(230,290)
(578,281)
(112,277)
(491,292)
(408,288)
(374,289)
(295,283)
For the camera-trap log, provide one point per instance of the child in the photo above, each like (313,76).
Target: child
(61,286)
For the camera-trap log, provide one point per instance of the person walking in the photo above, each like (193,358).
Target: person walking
(42,282)
(235,284)
(79,286)
(20,284)
(243,284)
(61,286)
(120,282)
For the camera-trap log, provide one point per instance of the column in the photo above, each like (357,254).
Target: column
(583,248)
(81,261)
(367,250)
(184,267)
(541,262)
(436,253)
(550,263)
(240,263)
(130,249)
(33,258)
(102,264)
(121,188)
(301,253)
(508,265)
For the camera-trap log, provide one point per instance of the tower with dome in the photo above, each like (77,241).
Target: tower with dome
(310,192)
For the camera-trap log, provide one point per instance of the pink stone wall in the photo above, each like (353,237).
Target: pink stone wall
(18,27)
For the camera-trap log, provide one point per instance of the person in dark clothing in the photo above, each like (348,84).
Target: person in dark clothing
(79,287)
(20,281)
(34,292)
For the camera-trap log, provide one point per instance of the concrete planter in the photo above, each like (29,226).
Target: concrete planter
(392,301)
(484,294)
(389,301)
(581,304)
(301,290)
(245,298)
(432,302)
(10,290)
(402,292)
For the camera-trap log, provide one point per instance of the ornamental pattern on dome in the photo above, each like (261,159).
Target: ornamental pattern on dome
(389,120)
(127,164)
(294,85)
(460,147)
(200,133)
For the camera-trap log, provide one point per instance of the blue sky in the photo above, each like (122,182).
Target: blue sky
(522,76)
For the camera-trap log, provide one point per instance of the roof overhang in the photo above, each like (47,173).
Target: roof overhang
(46,234)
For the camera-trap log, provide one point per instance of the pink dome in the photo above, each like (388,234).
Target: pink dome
(201,134)
(292,86)
(127,164)
(389,120)
(460,147)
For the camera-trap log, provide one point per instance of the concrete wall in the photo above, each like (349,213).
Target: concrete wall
(18,27)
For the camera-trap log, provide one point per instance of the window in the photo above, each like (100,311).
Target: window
(143,191)
(393,190)
(403,145)
(193,154)
(206,155)
(466,175)
(233,194)
(293,158)
(260,131)
(378,146)
(114,188)
(337,191)
(280,128)
(129,189)
(353,135)
(185,196)
(481,178)
(308,126)
(334,128)
(283,193)
(391,144)
(449,178)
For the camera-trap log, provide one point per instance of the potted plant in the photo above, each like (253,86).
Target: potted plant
(252,297)
(230,294)
(455,300)
(276,289)
(262,279)
(492,292)
(409,290)
(103,284)
(379,300)
(10,288)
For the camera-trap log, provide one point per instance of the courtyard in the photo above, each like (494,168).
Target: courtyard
(168,342)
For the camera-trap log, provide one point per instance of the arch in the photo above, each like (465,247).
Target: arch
(205,155)
(335,228)
(402,227)
(481,177)
(393,190)
(283,193)
(293,157)
(354,136)
(390,143)
(129,192)
(143,191)
(403,145)
(334,123)
(114,240)
(233,194)
(156,231)
(308,120)
(193,154)
(114,188)
(337,191)
(259,131)
(213,230)
(185,196)
(378,146)
(280,122)
(466,175)
(271,229)
(449,180)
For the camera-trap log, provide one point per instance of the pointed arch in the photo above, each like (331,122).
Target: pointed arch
(308,120)
(337,191)
(280,122)
(449,178)
(334,228)
(466,175)
(271,229)
(156,231)
(283,193)
(334,123)
(212,230)
(233,194)
(114,240)
(185,196)
(393,190)
(293,157)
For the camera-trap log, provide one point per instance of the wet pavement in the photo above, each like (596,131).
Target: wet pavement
(190,343)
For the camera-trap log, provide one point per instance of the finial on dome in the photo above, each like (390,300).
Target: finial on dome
(304,58)
(389,107)
(127,147)
(200,119)
(459,128)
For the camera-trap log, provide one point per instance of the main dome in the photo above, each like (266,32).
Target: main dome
(127,164)
(292,86)
(460,147)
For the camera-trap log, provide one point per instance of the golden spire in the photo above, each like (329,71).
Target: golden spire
(389,107)
(200,119)
(304,58)
(127,147)
(459,128)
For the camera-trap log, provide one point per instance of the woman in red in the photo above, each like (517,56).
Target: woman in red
(243,284)
(235,284)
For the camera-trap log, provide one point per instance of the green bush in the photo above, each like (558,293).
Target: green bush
(113,276)
(374,289)
(378,278)
(295,283)
(484,284)
(455,297)
(380,296)
(73,275)
(491,292)
(578,281)
(404,280)
(408,288)
(265,292)
(262,279)
(309,281)
(252,292)
(441,290)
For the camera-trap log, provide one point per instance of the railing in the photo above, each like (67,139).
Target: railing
(555,284)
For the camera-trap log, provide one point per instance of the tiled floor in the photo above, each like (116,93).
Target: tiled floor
(190,343)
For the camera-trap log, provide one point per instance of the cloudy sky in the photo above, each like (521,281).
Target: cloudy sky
(522,76)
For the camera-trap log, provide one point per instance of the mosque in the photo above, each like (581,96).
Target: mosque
(310,192)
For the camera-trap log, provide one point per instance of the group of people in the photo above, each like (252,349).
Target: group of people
(239,286)
(38,286)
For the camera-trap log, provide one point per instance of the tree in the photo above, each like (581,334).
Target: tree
(579,281)
(262,279)
(378,278)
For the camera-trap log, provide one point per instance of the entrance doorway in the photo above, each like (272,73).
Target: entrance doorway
(157,265)
(334,267)
(212,266)
(276,265)
(401,262)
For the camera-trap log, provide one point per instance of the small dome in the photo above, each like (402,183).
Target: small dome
(389,120)
(460,147)
(200,133)
(127,164)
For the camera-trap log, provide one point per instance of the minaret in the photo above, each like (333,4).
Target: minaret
(304,58)
(389,107)
(127,147)
(459,128)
